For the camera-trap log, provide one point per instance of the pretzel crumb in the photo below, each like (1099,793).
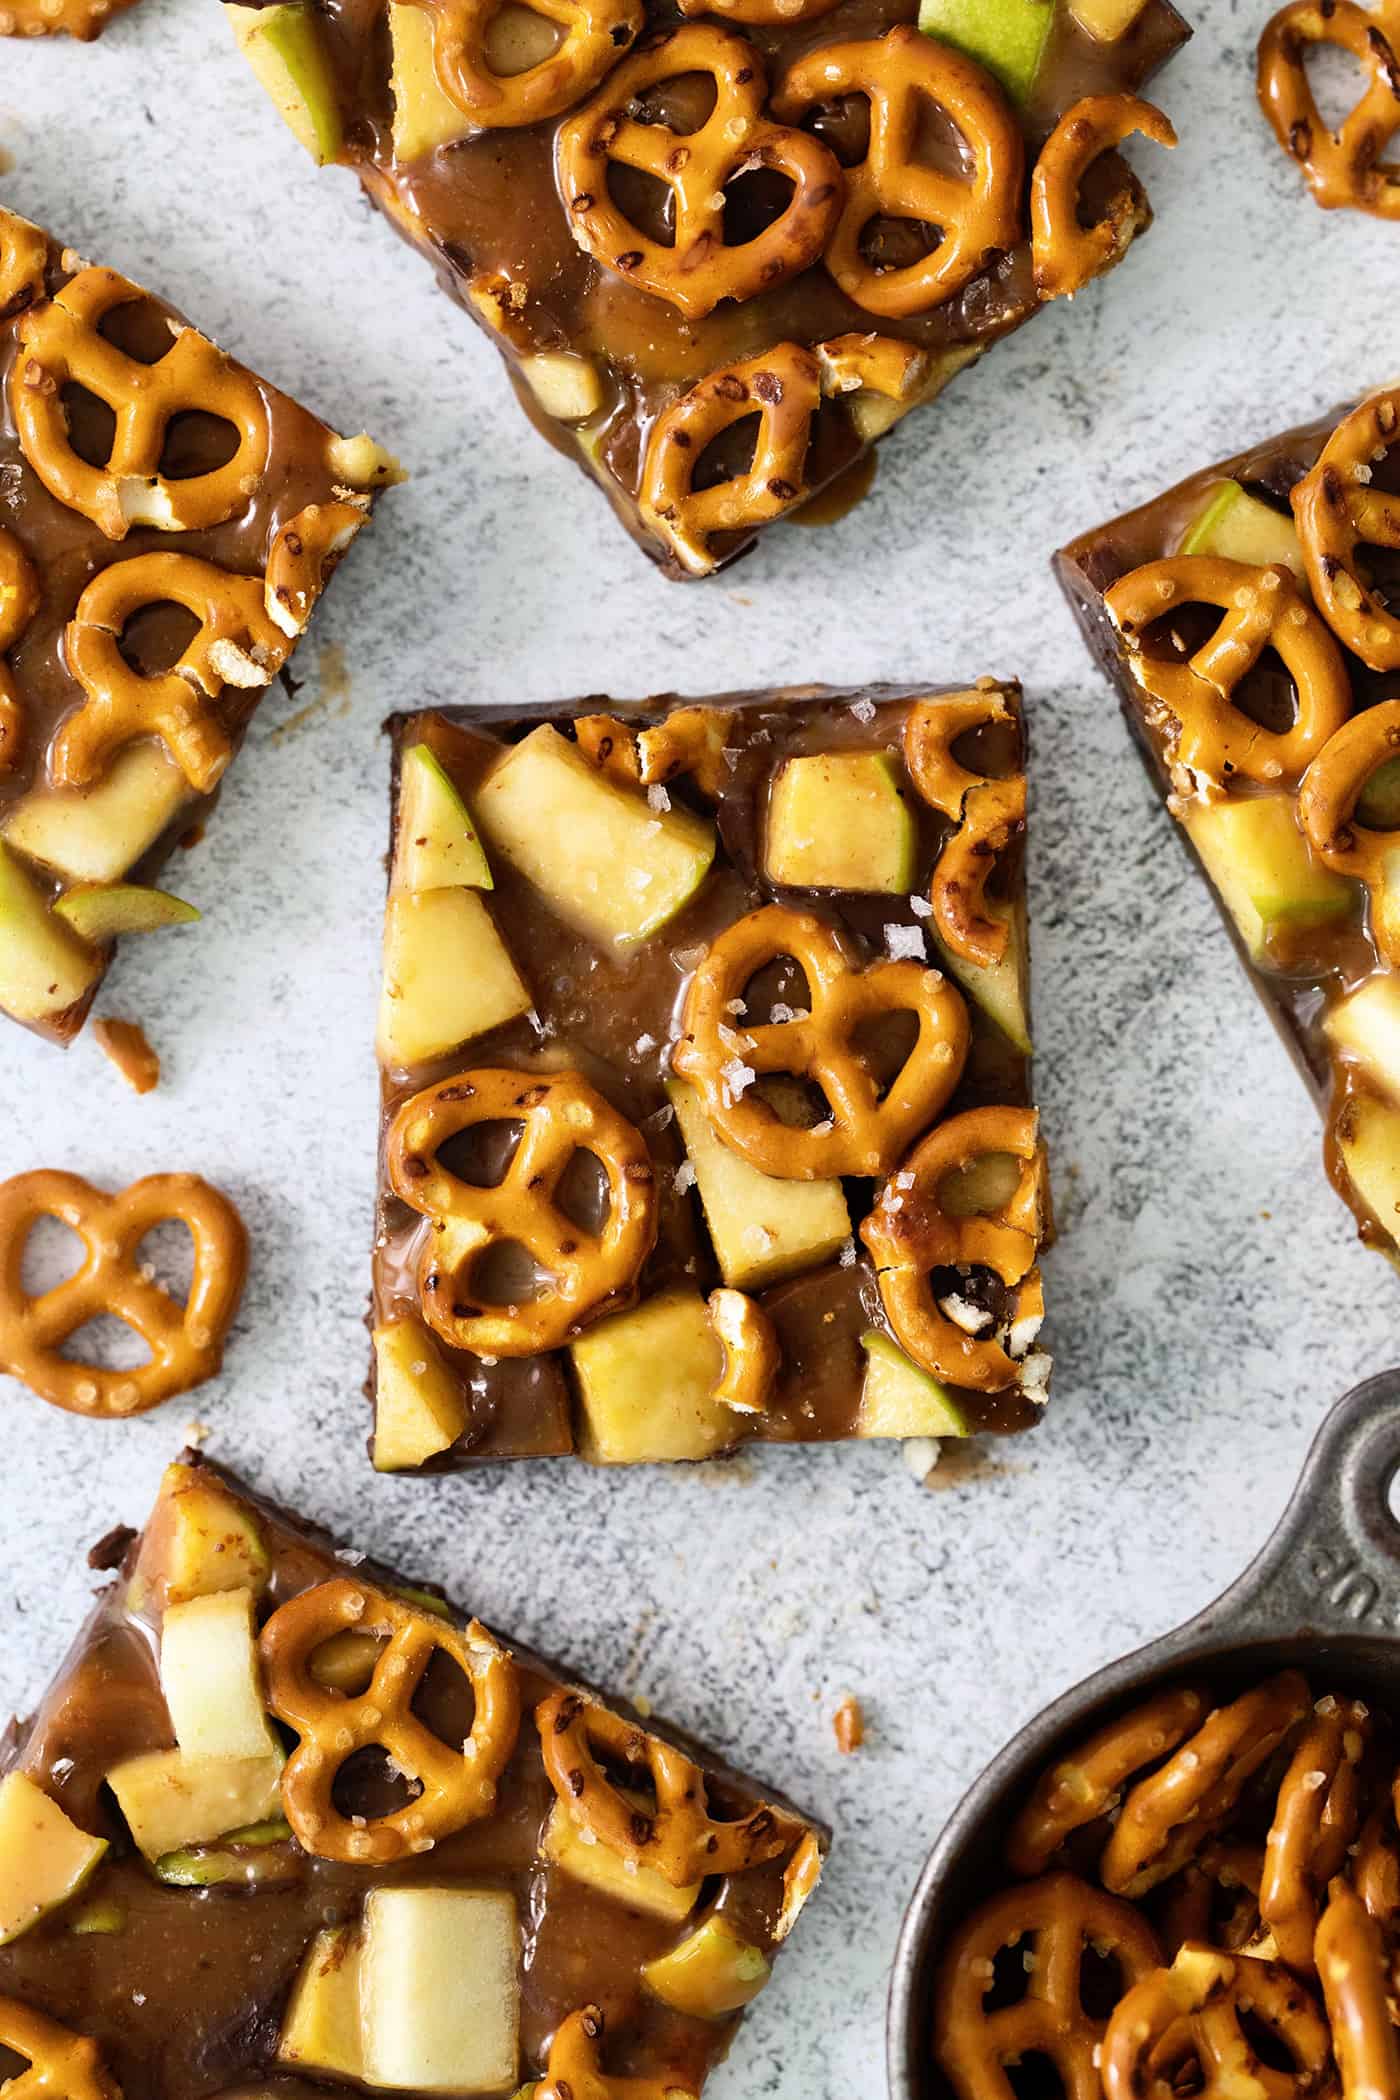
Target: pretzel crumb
(848,1725)
(125,1043)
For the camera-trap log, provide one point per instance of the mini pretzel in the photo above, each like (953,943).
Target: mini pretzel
(1168,1817)
(303,557)
(1332,786)
(186,1341)
(19,601)
(1080,1788)
(611,746)
(1352,1966)
(679,1838)
(596,33)
(691,740)
(700,267)
(1338,511)
(1263,609)
(456,1782)
(62,2065)
(1343,167)
(236,645)
(1191,2015)
(589,1273)
(576,2072)
(977,215)
(24,259)
(1062,1917)
(1188,1911)
(930,732)
(870,363)
(1066,254)
(910,1234)
(752,1355)
(866,1131)
(61,346)
(993,815)
(1315,1819)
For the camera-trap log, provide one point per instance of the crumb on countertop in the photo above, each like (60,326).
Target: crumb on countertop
(124,1042)
(848,1724)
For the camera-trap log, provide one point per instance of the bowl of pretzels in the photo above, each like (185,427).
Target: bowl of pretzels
(1183,1878)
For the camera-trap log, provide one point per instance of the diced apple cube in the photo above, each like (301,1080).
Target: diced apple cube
(1368,1139)
(1000,989)
(420,1408)
(761,1228)
(210,1676)
(647,1384)
(898,1399)
(1366,1026)
(283,46)
(839,820)
(440,1989)
(1264,870)
(1242,527)
(437,845)
(105,911)
(44,967)
(425,116)
(95,834)
(198,1541)
(1008,37)
(44,1857)
(321,2026)
(581,1856)
(170,1800)
(713,1972)
(448,976)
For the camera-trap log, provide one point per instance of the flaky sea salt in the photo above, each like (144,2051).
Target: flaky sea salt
(905,943)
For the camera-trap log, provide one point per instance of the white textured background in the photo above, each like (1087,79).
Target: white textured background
(1207,1298)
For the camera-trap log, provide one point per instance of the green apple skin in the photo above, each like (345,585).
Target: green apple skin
(1243,528)
(438,847)
(1008,37)
(1266,876)
(282,45)
(900,1400)
(105,911)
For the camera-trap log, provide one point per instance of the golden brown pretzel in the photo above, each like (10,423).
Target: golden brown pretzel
(1343,168)
(994,813)
(24,257)
(977,215)
(596,33)
(1192,2015)
(576,2073)
(1316,1816)
(910,1234)
(1084,1785)
(456,1782)
(1338,511)
(588,1272)
(186,1341)
(61,2065)
(678,1837)
(770,14)
(1062,1918)
(870,363)
(930,732)
(303,556)
(1169,1816)
(1192,1897)
(866,1130)
(1352,1967)
(81,19)
(19,601)
(1066,254)
(700,267)
(752,1354)
(1263,609)
(611,746)
(1331,788)
(61,345)
(236,645)
(693,741)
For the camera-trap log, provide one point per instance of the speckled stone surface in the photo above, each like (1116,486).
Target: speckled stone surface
(1207,1298)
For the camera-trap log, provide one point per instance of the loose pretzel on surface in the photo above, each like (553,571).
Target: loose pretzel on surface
(1338,512)
(678,1838)
(61,345)
(596,33)
(186,1341)
(1343,167)
(994,813)
(978,216)
(576,2073)
(700,267)
(1169,1816)
(19,601)
(1263,609)
(1352,1966)
(1063,1918)
(588,1273)
(81,19)
(866,1131)
(24,260)
(1190,2015)
(61,2065)
(930,732)
(1316,1816)
(456,1782)
(1331,788)
(1066,254)
(752,1354)
(909,1234)
(1085,1785)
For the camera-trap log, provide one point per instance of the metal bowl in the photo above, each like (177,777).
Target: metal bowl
(1324,1595)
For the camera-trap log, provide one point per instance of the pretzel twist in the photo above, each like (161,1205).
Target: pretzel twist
(81,19)
(1062,1917)
(1316,1816)
(588,1272)
(1343,168)
(1189,1908)
(61,346)
(978,215)
(752,1354)
(994,813)
(576,2068)
(930,732)
(1338,511)
(866,1130)
(1085,1785)
(1169,1816)
(19,601)
(186,1341)
(1327,810)
(678,1838)
(236,645)
(457,1783)
(596,33)
(24,260)
(910,1234)
(1065,254)
(700,267)
(1192,2014)
(1352,1965)
(61,2065)
(1263,609)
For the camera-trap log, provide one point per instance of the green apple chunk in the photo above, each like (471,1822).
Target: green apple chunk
(440,1990)
(1366,1027)
(437,846)
(419,1407)
(97,834)
(1106,20)
(210,1676)
(1264,870)
(839,821)
(762,1229)
(104,911)
(897,1399)
(713,1972)
(1368,1139)
(425,116)
(44,1857)
(170,1800)
(1242,527)
(283,46)
(44,967)
(565,1846)
(448,976)
(258,1857)
(604,859)
(1006,36)
(634,1411)
(198,1541)
(1000,989)
(321,2026)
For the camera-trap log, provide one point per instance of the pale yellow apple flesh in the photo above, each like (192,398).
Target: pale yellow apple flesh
(634,1413)
(566,1848)
(1000,989)
(425,116)
(1369,1143)
(283,46)
(838,820)
(1264,870)
(713,1972)
(448,976)
(321,2026)
(104,911)
(1242,527)
(440,1989)
(898,1399)
(762,1229)
(211,1678)
(419,1407)
(437,845)
(96,834)
(44,967)
(198,1541)
(1366,1026)
(44,1857)
(170,1800)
